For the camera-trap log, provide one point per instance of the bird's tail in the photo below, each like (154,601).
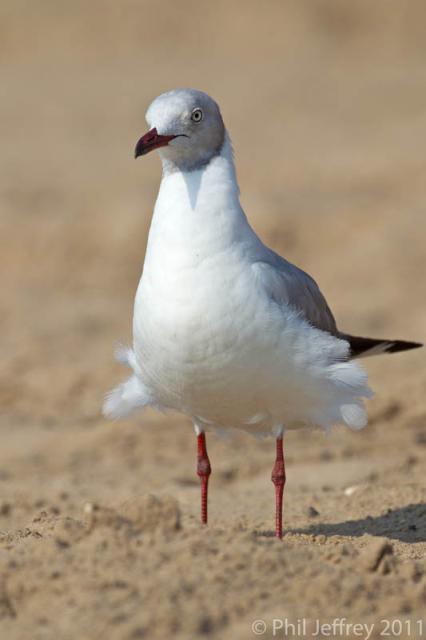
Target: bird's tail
(364,347)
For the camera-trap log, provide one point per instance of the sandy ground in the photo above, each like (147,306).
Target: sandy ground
(326,104)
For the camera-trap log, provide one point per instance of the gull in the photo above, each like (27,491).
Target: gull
(226,331)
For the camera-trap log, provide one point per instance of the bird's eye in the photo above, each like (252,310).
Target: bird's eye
(197,115)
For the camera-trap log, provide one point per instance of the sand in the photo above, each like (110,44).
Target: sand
(99,533)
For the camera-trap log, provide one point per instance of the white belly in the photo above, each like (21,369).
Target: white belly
(194,339)
(224,354)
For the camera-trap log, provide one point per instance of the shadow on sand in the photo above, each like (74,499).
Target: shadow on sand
(407,524)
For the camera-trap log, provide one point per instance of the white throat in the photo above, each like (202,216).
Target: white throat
(198,211)
(218,173)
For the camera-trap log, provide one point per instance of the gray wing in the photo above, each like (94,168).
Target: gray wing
(287,284)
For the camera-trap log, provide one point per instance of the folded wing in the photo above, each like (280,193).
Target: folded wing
(287,284)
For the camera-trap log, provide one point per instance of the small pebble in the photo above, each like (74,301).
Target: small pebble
(349,491)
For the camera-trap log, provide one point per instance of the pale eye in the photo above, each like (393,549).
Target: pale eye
(197,115)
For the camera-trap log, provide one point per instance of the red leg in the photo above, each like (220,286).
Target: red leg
(278,478)
(203,471)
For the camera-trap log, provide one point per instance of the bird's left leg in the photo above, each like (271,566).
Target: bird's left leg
(203,471)
(278,478)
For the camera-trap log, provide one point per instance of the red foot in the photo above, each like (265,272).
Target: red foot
(278,478)
(203,471)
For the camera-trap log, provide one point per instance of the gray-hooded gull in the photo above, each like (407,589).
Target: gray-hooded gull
(226,331)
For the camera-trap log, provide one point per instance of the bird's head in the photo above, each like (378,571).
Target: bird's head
(186,127)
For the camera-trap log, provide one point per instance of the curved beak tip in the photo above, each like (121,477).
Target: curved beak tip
(150,141)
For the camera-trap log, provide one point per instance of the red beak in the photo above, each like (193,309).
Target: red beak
(150,141)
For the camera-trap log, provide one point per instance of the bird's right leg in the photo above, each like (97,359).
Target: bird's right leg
(203,472)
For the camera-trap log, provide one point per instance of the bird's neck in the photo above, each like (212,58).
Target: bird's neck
(192,188)
(198,212)
(205,196)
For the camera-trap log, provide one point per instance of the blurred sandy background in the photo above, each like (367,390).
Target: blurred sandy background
(326,105)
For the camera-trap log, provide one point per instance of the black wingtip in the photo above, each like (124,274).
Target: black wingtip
(361,347)
(402,345)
